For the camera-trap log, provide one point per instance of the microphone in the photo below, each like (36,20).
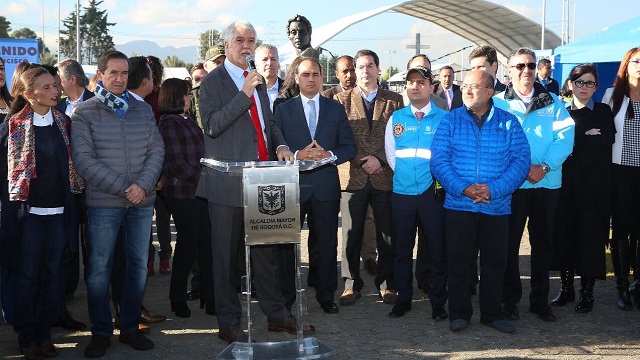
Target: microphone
(252,65)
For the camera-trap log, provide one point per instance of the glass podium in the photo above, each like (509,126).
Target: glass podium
(271,192)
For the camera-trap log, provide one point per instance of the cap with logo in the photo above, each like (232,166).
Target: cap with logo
(215,52)
(423,71)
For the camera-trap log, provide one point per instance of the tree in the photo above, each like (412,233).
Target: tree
(5,27)
(173,61)
(94,33)
(208,39)
(328,64)
(26,33)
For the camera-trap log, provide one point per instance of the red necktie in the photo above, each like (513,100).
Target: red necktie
(419,115)
(263,154)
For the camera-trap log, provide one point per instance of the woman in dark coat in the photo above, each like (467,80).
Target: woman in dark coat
(582,230)
(184,147)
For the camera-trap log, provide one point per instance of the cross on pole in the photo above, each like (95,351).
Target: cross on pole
(417,45)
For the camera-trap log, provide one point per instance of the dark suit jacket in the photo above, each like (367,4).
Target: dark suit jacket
(333,133)
(62,103)
(369,141)
(553,86)
(230,135)
(499,87)
(456,102)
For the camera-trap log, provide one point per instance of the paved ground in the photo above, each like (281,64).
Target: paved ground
(364,331)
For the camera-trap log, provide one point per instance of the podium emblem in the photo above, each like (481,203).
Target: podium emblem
(271,199)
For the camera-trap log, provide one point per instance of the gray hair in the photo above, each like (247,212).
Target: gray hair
(70,67)
(267,47)
(229,31)
(522,51)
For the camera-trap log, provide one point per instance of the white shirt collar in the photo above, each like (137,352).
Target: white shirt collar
(43,120)
(426,110)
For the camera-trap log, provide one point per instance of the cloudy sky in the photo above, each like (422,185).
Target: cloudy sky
(178,22)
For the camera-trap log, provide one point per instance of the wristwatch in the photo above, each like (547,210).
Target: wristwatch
(545,167)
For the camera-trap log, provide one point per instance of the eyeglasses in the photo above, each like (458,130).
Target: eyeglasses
(521,66)
(590,84)
(473,87)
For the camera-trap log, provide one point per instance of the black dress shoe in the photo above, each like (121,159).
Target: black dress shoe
(399,309)
(329,307)
(48,350)
(32,353)
(511,312)
(180,309)
(545,313)
(66,321)
(438,313)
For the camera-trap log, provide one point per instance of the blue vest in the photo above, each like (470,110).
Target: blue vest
(412,173)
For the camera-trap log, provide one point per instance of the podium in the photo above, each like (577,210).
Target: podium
(271,192)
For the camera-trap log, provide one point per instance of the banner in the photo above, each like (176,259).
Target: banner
(16,51)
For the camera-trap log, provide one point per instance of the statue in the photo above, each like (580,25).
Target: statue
(299,33)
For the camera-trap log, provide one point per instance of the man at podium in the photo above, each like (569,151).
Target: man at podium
(238,125)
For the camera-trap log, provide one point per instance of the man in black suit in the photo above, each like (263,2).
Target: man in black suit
(448,90)
(268,64)
(239,126)
(485,58)
(315,128)
(73,81)
(544,77)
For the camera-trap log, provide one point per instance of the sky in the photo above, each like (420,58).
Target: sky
(178,22)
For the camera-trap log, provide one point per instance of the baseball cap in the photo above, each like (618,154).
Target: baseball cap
(423,71)
(215,52)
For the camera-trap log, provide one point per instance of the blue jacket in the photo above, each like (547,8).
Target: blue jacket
(408,149)
(549,129)
(496,155)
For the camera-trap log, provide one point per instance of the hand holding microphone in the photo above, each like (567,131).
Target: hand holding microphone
(253,79)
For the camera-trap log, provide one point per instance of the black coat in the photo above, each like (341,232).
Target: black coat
(582,227)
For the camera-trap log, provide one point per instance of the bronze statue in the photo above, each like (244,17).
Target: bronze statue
(299,33)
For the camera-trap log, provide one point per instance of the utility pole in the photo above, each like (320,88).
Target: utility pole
(78,31)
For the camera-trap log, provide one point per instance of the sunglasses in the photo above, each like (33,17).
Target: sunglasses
(521,66)
(590,84)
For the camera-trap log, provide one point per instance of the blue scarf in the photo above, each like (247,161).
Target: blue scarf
(119,104)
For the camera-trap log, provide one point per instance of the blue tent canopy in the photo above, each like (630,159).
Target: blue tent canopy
(604,48)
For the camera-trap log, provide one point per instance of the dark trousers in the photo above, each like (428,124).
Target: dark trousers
(624,217)
(228,237)
(325,229)
(163,230)
(37,278)
(191,218)
(463,231)
(407,209)
(423,259)
(539,205)
(359,203)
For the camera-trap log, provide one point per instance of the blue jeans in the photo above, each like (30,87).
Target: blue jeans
(37,276)
(103,225)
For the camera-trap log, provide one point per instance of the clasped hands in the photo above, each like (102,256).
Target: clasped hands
(313,152)
(478,193)
(135,194)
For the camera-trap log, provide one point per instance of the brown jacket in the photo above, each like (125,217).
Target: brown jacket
(368,141)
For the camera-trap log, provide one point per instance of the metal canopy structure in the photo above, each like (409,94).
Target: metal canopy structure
(479,21)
